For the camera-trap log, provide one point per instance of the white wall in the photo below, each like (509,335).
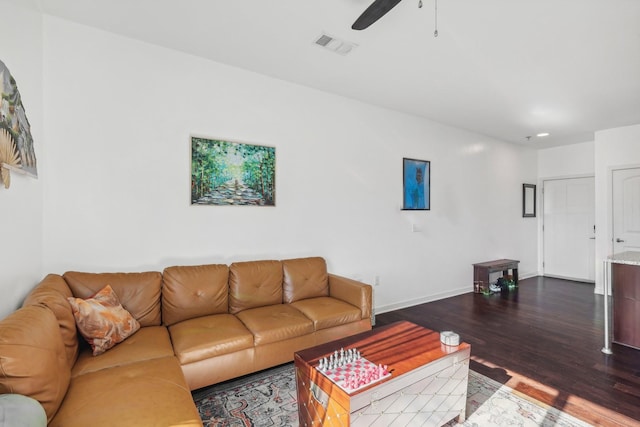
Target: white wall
(566,161)
(21,204)
(119,116)
(614,148)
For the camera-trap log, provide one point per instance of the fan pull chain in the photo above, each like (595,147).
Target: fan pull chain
(435,33)
(420,4)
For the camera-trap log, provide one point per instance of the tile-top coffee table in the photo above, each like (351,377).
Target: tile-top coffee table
(427,385)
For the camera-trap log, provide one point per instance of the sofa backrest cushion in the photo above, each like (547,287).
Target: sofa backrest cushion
(53,292)
(254,284)
(194,291)
(33,361)
(305,278)
(139,293)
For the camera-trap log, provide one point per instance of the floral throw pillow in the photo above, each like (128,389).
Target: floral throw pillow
(102,320)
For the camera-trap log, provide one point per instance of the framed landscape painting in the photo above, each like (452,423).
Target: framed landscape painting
(232,173)
(416,184)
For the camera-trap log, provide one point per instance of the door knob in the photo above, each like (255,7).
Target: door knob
(619,240)
(592,238)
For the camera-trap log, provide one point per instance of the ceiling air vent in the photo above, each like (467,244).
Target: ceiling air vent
(334,44)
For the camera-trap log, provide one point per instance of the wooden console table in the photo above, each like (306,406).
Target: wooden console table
(482,270)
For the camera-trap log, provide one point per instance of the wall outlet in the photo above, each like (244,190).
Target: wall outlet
(376,280)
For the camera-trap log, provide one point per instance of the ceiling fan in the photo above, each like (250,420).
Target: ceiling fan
(375,11)
(379,8)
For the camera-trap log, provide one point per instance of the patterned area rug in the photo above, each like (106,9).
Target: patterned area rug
(268,398)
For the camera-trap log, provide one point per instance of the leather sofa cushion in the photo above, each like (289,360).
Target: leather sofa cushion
(151,393)
(327,312)
(53,292)
(304,278)
(152,342)
(194,291)
(139,293)
(275,323)
(254,284)
(33,361)
(209,336)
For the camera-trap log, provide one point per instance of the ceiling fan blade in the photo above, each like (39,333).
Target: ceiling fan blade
(377,10)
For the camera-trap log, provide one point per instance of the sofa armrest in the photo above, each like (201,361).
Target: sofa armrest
(351,291)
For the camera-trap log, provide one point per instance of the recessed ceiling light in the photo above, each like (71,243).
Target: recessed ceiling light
(542,134)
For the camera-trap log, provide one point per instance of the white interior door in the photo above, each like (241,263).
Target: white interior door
(569,228)
(626,210)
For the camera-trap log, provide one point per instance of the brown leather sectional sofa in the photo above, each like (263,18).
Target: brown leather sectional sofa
(200,325)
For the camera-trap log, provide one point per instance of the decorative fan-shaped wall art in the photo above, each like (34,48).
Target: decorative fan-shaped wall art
(9,158)
(16,143)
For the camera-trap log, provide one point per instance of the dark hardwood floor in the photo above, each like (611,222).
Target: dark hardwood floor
(544,340)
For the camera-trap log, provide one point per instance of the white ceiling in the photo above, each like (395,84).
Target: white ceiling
(503,68)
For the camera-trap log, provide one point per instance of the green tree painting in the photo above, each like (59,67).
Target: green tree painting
(232,173)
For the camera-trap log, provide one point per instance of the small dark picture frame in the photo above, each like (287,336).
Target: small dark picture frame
(528,200)
(416,185)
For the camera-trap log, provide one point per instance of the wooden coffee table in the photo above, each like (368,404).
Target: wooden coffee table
(427,386)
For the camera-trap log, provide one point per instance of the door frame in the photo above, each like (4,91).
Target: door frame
(541,221)
(610,220)
(604,220)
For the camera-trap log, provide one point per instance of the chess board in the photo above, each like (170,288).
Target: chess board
(342,375)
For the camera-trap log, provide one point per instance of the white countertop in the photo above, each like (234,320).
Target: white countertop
(629,257)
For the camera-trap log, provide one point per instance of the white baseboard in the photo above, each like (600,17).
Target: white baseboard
(573,279)
(422,300)
(431,298)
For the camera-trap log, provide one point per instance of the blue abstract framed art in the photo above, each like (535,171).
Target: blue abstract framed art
(416,185)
